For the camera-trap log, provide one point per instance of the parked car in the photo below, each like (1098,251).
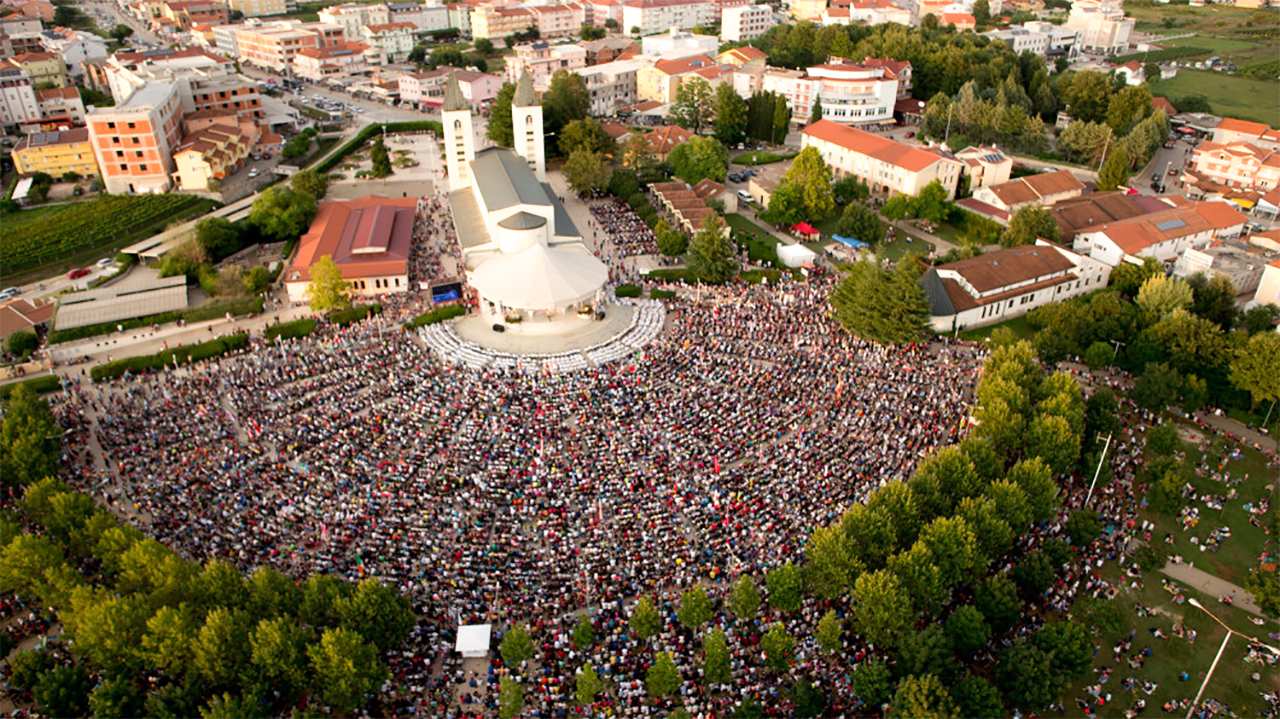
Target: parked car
(9,293)
(77,273)
(745,196)
(105,262)
(1173,171)
(253,172)
(909,135)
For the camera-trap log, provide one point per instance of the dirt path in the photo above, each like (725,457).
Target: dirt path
(1187,574)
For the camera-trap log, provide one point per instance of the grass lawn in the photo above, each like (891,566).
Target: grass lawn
(1238,50)
(1230,96)
(740,223)
(1018,325)
(905,241)
(762,158)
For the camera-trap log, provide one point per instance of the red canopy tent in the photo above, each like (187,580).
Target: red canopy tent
(804,228)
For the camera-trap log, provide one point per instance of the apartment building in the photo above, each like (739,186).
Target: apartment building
(602,11)
(393,41)
(426,89)
(675,44)
(612,85)
(338,61)
(186,14)
(460,16)
(56,153)
(496,23)
(74,47)
(425,18)
(810,10)
(985,166)
(134,141)
(744,58)
(888,167)
(1231,130)
(44,68)
(273,46)
(210,154)
(354,16)
(18,102)
(1102,25)
(608,49)
(849,92)
(556,21)
(661,81)
(745,22)
(204,80)
(653,16)
(61,105)
(541,60)
(257,8)
(1237,164)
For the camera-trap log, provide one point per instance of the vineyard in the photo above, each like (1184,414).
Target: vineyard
(75,228)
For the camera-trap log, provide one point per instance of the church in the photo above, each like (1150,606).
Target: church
(522,252)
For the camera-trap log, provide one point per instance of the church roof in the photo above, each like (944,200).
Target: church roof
(504,179)
(525,96)
(523,221)
(453,99)
(541,277)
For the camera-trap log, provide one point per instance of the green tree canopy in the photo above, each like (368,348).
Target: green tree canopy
(516,647)
(310,182)
(744,600)
(785,587)
(882,609)
(29,439)
(710,256)
(922,697)
(585,134)
(328,291)
(346,669)
(886,306)
(1029,223)
(587,685)
(663,677)
(695,607)
(501,127)
(779,647)
(694,106)
(645,620)
(281,213)
(1115,171)
(565,100)
(380,158)
(698,158)
(587,171)
(810,173)
(715,658)
(731,115)
(1255,368)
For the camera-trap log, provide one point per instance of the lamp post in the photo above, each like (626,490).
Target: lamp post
(1221,649)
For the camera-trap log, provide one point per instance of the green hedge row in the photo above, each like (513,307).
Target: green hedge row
(628,291)
(39,385)
(200,314)
(182,355)
(662,294)
(363,136)
(670,276)
(290,330)
(439,314)
(755,277)
(353,314)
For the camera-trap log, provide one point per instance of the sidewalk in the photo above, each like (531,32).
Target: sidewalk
(1213,587)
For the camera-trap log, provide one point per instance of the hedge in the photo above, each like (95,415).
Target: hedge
(662,294)
(670,276)
(628,291)
(757,276)
(200,314)
(439,314)
(290,330)
(39,385)
(363,136)
(159,361)
(353,314)
(1169,53)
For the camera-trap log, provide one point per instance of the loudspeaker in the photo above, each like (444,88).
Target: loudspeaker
(499,328)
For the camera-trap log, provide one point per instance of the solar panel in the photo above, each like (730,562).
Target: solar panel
(993,158)
(1170,225)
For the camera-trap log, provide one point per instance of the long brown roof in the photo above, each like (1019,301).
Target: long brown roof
(368,237)
(1010,267)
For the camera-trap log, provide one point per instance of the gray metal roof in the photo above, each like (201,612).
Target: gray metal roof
(525,96)
(564,226)
(939,301)
(467,219)
(505,180)
(523,221)
(92,310)
(453,99)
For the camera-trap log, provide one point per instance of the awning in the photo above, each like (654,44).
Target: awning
(473,640)
(855,244)
(805,228)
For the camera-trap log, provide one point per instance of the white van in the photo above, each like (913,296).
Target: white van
(745,196)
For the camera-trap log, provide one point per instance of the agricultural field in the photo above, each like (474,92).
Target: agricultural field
(1230,96)
(76,232)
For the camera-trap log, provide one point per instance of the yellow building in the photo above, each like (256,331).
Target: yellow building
(56,153)
(254,8)
(210,154)
(42,68)
(496,23)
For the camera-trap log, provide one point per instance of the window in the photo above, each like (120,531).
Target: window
(119,153)
(124,167)
(111,126)
(143,168)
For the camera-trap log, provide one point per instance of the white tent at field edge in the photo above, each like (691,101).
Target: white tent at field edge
(473,640)
(796,255)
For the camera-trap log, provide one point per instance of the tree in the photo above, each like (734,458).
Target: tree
(645,620)
(1069,646)
(1260,318)
(229,706)
(981,13)
(815,114)
(510,698)
(1088,95)
(585,134)
(781,122)
(710,256)
(637,155)
(871,681)
(663,678)
(501,129)
(695,608)
(779,648)
(64,690)
(694,105)
(1214,299)
(217,237)
(328,291)
(484,46)
(1255,367)
(1115,171)
(1052,439)
(584,634)
(784,584)
(279,655)
(21,343)
(1128,107)
(828,567)
(1265,588)
(445,56)
(29,439)
(744,600)
(860,223)
(715,658)
(346,669)
(311,183)
(1098,355)
(1029,223)
(587,171)
(1026,677)
(922,697)
(968,631)
(587,685)
(869,536)
(673,243)
(886,306)
(24,561)
(997,598)
(810,173)
(927,651)
(121,32)
(932,203)
(1157,387)
(882,609)
(281,214)
(828,633)
(975,697)
(592,32)
(731,115)
(1083,527)
(1034,574)
(380,158)
(698,158)
(565,100)
(920,574)
(786,205)
(516,647)
(257,281)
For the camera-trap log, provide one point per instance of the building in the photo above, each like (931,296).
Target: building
(204,81)
(1163,235)
(1269,286)
(1237,164)
(1230,130)
(368,239)
(608,49)
(1040,38)
(186,14)
(985,166)
(1064,41)
(849,93)
(878,12)
(60,105)
(745,22)
(134,141)
(744,58)
(426,18)
(394,41)
(542,59)
(1102,25)
(273,46)
(613,85)
(661,81)
(811,10)
(1132,72)
(354,16)
(38,9)
(460,16)
(674,44)
(1001,285)
(74,47)
(496,23)
(18,104)
(663,140)
(339,61)
(1020,40)
(56,153)
(655,16)
(44,68)
(522,252)
(210,154)
(257,8)
(1243,268)
(888,167)
(558,21)
(961,20)
(1045,188)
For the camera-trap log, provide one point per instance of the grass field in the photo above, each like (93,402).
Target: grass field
(1230,96)
(762,158)
(740,223)
(1018,325)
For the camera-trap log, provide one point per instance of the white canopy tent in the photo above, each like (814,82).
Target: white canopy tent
(473,640)
(540,277)
(795,255)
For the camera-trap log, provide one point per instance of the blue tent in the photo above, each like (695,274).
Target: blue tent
(855,244)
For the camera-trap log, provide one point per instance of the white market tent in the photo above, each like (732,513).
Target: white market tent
(473,640)
(540,277)
(795,255)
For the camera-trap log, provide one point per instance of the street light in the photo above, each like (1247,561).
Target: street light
(1221,649)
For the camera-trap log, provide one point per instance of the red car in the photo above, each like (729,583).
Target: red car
(77,273)
(909,135)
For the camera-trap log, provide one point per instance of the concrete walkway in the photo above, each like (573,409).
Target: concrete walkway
(1213,587)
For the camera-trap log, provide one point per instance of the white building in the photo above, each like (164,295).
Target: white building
(224,40)
(394,40)
(338,61)
(1164,235)
(74,46)
(888,167)
(1021,40)
(652,16)
(1102,24)
(850,93)
(745,22)
(1063,41)
(613,84)
(352,17)
(17,98)
(1045,188)
(1001,285)
(425,18)
(541,60)
(674,44)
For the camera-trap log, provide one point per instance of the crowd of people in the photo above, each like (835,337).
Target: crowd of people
(628,233)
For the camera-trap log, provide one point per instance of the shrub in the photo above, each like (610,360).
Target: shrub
(39,385)
(662,294)
(628,291)
(439,314)
(670,276)
(290,330)
(345,317)
(755,277)
(167,358)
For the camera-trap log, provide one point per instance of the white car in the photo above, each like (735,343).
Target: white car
(105,262)
(253,172)
(9,292)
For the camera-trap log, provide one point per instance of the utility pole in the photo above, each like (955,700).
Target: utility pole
(1098,471)
(947,136)
(1105,145)
(1118,345)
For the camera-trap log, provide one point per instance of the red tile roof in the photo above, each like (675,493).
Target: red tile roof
(907,157)
(664,140)
(342,230)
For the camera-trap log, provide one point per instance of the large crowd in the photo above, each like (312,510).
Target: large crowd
(628,233)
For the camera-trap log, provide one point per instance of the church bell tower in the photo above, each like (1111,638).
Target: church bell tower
(526,122)
(459,137)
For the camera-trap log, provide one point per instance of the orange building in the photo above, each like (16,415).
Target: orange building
(134,141)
